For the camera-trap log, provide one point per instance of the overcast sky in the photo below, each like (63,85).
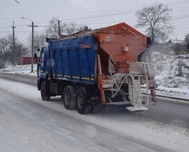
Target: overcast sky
(93,13)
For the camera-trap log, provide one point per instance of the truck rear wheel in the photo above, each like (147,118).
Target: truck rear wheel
(68,96)
(82,104)
(44,94)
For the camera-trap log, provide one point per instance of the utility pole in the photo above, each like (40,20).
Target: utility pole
(59,33)
(32,41)
(13,27)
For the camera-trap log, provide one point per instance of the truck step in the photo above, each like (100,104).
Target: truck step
(118,103)
(136,108)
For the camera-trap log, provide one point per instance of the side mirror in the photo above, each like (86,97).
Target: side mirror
(149,41)
(35,57)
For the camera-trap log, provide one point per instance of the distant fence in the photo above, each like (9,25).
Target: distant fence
(25,60)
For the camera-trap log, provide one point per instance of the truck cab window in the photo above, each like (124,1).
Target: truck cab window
(42,57)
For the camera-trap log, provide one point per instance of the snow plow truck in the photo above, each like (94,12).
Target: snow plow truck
(101,66)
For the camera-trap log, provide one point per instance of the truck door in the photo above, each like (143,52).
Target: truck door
(41,66)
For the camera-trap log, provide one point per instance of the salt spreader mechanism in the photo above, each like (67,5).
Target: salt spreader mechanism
(102,66)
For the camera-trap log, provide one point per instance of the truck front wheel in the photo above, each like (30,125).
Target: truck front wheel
(68,96)
(82,104)
(44,94)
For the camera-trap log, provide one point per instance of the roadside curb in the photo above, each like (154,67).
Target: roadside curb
(173,99)
(170,99)
(19,77)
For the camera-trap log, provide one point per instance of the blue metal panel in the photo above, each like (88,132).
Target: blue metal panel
(57,70)
(74,59)
(73,63)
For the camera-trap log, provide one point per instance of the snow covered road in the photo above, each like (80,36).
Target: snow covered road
(29,124)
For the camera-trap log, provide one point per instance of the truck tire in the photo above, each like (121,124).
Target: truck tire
(68,97)
(82,104)
(44,94)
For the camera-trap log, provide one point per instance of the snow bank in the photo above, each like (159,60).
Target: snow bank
(21,69)
(172,73)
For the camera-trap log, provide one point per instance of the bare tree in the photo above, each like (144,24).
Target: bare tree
(73,27)
(156,20)
(187,43)
(39,42)
(4,48)
(53,28)
(10,53)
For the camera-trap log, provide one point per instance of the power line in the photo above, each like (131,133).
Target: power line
(57,3)
(17,1)
(124,8)
(114,10)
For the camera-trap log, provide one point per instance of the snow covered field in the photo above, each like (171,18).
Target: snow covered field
(172,74)
(21,69)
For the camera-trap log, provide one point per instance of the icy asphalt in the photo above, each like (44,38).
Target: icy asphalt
(29,123)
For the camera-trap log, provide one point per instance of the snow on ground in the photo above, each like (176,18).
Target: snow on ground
(153,132)
(21,69)
(171,73)
(169,84)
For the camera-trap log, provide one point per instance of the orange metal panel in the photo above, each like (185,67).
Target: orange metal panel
(122,44)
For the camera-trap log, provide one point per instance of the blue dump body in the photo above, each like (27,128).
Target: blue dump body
(74,59)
